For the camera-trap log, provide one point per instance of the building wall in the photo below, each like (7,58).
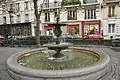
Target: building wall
(101,14)
(111,20)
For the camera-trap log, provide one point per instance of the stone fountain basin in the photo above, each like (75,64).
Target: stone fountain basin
(93,72)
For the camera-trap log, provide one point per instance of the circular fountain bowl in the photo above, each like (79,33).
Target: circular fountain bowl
(92,72)
(60,46)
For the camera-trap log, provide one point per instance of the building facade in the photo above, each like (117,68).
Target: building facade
(111,18)
(83,18)
(80,17)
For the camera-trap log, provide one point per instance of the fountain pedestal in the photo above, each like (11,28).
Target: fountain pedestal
(58,48)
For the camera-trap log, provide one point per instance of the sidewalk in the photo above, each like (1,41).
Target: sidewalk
(5,53)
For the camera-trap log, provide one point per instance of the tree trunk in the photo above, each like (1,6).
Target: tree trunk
(38,33)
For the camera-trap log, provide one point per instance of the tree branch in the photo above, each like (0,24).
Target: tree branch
(36,8)
(41,8)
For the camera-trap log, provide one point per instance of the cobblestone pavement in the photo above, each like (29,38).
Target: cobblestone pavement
(112,74)
(5,53)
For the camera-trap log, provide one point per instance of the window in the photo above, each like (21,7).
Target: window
(26,5)
(23,29)
(17,6)
(90,13)
(111,11)
(111,28)
(73,29)
(56,3)
(11,6)
(47,17)
(18,18)
(46,4)
(26,17)
(72,15)
(3,11)
(4,20)
(12,19)
(56,14)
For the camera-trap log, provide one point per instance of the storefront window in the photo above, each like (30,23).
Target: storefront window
(21,30)
(49,30)
(73,29)
(90,27)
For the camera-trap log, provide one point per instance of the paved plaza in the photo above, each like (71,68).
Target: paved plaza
(114,72)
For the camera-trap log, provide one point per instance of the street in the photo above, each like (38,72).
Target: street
(6,52)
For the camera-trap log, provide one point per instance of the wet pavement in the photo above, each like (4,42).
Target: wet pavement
(114,72)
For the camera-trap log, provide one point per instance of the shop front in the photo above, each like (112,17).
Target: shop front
(90,28)
(69,29)
(49,30)
(73,29)
(18,29)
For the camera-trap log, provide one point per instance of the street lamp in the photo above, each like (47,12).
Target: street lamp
(11,32)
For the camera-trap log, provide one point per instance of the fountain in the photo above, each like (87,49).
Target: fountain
(58,62)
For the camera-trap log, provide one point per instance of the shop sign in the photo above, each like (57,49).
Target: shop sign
(49,27)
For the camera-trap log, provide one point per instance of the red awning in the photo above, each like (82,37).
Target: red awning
(49,27)
(72,26)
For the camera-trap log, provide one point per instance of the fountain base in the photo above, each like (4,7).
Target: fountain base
(93,72)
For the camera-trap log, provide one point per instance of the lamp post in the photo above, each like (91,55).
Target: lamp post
(11,33)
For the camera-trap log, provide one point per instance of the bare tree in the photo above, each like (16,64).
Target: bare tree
(37,13)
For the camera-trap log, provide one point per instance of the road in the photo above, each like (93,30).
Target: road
(113,74)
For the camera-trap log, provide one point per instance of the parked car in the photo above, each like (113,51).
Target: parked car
(68,36)
(93,37)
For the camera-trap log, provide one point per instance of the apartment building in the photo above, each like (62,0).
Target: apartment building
(83,18)
(17,23)
(80,17)
(111,18)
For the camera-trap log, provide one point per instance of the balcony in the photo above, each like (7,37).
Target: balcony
(111,1)
(112,16)
(47,20)
(72,18)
